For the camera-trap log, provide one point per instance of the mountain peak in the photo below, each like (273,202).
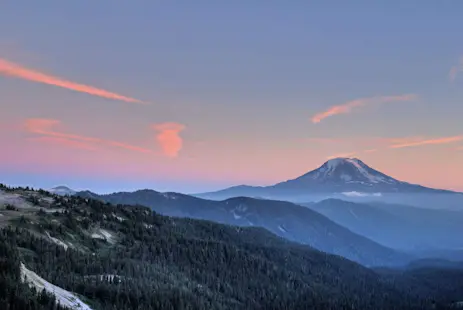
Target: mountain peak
(347,170)
(340,160)
(62,190)
(348,176)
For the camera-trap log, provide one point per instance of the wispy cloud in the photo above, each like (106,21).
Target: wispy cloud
(342,155)
(8,68)
(456,69)
(46,128)
(64,142)
(352,154)
(168,137)
(413,142)
(350,105)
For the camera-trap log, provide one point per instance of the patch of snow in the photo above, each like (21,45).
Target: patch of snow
(169,196)
(57,241)
(346,177)
(48,199)
(353,213)
(333,163)
(148,225)
(363,171)
(15,200)
(104,235)
(53,210)
(236,216)
(110,277)
(282,229)
(119,218)
(373,178)
(65,298)
(242,208)
(1,214)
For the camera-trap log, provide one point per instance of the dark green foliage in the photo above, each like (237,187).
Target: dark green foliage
(15,295)
(10,207)
(282,218)
(159,262)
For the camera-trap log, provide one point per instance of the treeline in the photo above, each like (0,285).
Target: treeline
(14,294)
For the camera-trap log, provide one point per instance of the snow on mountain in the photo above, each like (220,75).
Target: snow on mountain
(347,177)
(65,298)
(347,170)
(62,191)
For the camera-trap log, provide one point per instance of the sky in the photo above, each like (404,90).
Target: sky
(197,96)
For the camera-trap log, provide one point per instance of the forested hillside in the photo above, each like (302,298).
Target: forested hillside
(285,219)
(129,257)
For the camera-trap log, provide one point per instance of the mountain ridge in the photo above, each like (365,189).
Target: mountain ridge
(403,227)
(335,176)
(124,257)
(285,219)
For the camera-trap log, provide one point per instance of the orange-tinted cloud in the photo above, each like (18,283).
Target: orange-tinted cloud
(46,127)
(419,142)
(351,154)
(168,137)
(342,155)
(64,142)
(348,106)
(456,69)
(11,69)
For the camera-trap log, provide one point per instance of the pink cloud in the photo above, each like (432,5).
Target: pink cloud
(342,155)
(64,142)
(46,127)
(8,68)
(168,137)
(350,105)
(351,154)
(412,142)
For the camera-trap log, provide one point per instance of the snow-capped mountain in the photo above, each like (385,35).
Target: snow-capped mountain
(345,172)
(349,177)
(349,171)
(62,191)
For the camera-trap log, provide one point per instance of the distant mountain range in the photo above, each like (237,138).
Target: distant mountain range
(370,232)
(62,190)
(87,254)
(288,220)
(397,226)
(347,178)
